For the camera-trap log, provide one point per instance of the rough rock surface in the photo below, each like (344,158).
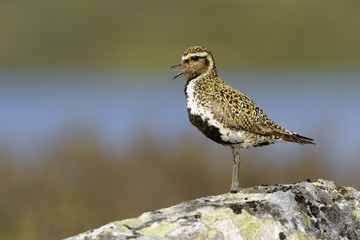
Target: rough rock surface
(307,210)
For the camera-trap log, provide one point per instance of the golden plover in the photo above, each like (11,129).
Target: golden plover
(224,114)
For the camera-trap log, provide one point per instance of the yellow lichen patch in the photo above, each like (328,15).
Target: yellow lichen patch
(212,233)
(306,219)
(356,213)
(343,194)
(131,222)
(158,229)
(200,238)
(300,236)
(318,184)
(249,197)
(209,217)
(249,225)
(350,189)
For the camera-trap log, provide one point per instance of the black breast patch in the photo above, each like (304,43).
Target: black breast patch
(209,131)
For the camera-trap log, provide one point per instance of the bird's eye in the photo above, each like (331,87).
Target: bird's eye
(195,58)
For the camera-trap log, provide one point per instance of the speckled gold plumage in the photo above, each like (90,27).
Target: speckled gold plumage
(195,49)
(237,111)
(224,114)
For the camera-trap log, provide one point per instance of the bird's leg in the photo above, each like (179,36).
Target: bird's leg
(236,167)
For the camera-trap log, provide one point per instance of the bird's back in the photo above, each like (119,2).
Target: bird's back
(237,119)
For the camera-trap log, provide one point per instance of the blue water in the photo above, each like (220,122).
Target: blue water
(36,107)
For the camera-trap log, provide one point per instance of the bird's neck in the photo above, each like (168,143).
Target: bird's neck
(194,83)
(211,73)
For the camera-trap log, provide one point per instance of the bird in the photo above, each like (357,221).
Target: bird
(224,114)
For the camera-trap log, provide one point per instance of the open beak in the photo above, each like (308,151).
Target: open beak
(180,73)
(176,65)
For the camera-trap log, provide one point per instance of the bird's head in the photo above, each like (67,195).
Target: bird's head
(196,61)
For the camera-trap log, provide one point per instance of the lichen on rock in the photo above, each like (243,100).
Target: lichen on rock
(307,210)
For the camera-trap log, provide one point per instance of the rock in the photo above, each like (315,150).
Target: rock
(307,210)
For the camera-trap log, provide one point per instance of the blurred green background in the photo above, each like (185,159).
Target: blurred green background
(93,129)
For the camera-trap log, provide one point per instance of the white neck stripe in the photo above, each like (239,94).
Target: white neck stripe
(200,54)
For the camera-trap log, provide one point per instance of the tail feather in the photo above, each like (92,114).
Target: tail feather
(294,137)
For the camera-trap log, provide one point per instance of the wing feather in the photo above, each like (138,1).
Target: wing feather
(238,112)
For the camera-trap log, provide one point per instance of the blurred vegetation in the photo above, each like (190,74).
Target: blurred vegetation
(132,34)
(77,185)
